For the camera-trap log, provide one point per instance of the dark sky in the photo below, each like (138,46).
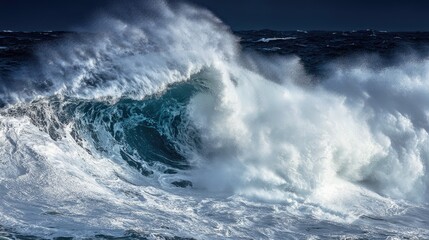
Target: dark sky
(394,15)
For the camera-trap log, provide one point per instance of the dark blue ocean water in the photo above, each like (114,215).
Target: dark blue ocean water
(315,48)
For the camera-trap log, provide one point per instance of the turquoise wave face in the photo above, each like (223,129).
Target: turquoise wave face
(153,134)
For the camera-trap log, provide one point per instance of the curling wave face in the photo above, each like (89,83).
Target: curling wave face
(163,126)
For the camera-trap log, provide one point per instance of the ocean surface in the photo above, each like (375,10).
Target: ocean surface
(160,122)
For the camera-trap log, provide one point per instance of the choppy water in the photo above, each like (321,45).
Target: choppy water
(161,123)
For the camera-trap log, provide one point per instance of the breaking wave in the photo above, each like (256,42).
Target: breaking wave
(158,122)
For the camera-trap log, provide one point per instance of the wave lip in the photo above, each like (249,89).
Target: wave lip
(126,56)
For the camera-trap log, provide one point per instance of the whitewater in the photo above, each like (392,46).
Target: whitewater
(157,124)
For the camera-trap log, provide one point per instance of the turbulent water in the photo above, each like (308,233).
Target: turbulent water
(159,122)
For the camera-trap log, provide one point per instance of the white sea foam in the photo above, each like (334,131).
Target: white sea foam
(265,40)
(272,49)
(362,127)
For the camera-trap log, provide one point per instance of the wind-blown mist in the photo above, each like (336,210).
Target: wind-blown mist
(158,123)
